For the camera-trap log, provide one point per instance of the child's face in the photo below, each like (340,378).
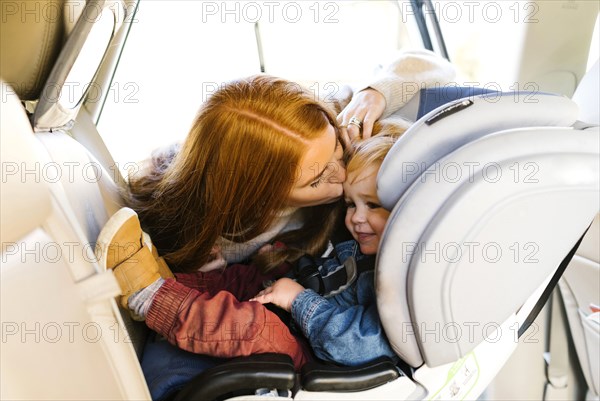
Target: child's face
(365,217)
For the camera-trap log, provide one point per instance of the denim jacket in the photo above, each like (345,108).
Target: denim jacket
(344,328)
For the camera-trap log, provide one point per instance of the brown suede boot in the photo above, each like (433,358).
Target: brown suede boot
(121,247)
(163,268)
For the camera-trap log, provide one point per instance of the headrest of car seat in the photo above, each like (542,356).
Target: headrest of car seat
(477,234)
(587,96)
(428,139)
(31,35)
(72,76)
(25,198)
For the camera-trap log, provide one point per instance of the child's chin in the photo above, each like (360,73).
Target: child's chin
(368,249)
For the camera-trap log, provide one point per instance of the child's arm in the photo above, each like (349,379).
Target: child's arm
(339,329)
(282,293)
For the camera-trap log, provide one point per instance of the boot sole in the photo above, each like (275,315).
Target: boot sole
(108,232)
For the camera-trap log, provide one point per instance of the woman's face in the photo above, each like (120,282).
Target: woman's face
(321,173)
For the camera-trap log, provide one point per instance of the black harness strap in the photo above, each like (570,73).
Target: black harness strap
(308,275)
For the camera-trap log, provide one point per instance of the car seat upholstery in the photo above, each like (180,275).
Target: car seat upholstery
(57,307)
(41,31)
(95,196)
(55,199)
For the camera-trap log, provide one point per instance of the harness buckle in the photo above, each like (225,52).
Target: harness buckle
(308,275)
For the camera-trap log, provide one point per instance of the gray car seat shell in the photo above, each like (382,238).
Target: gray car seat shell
(442,285)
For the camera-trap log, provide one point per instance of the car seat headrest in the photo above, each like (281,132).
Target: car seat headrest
(31,35)
(79,60)
(428,139)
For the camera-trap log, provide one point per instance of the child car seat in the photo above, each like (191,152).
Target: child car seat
(472,246)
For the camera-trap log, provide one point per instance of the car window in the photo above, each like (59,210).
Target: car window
(484,38)
(479,35)
(178,52)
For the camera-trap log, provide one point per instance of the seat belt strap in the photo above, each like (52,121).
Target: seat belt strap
(551,285)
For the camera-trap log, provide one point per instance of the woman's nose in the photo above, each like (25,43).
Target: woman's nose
(339,174)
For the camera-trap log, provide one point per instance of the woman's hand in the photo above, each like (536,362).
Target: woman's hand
(282,293)
(367,106)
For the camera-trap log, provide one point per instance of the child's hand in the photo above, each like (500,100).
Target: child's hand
(282,293)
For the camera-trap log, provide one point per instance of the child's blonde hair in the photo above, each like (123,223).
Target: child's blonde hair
(372,151)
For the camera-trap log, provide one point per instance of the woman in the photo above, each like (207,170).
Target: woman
(261,164)
(260,154)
